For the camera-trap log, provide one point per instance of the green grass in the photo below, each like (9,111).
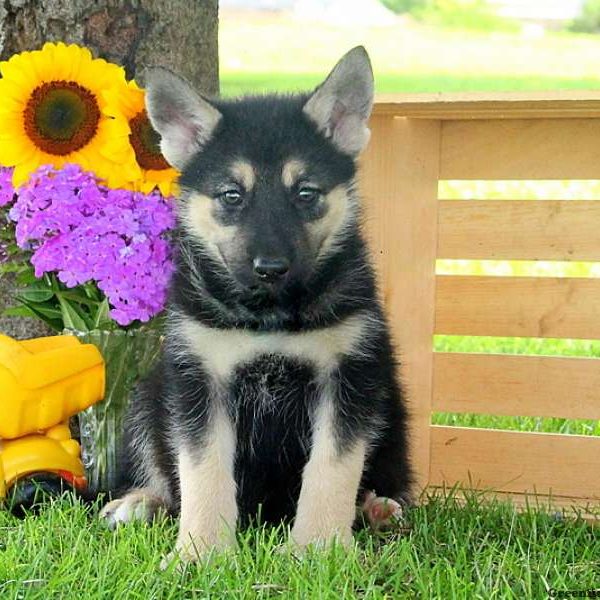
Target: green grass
(237,83)
(273,52)
(442,550)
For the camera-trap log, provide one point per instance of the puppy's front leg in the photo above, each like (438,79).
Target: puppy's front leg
(327,502)
(208,492)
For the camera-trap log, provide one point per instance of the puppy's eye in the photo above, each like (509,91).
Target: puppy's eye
(308,195)
(231,197)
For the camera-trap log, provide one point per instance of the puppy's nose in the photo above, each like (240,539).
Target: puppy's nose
(270,269)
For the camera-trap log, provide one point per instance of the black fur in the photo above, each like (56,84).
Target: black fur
(271,400)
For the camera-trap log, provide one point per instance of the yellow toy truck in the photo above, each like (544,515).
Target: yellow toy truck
(43,382)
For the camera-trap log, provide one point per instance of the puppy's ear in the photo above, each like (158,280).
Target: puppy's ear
(341,105)
(184,120)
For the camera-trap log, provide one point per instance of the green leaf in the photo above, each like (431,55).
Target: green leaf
(76,295)
(8,267)
(71,316)
(102,319)
(36,292)
(48,310)
(92,292)
(56,286)
(56,324)
(18,311)
(26,276)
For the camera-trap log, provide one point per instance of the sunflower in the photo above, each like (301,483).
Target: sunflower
(51,113)
(128,111)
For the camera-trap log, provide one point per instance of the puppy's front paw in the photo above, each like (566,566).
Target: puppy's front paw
(178,559)
(137,505)
(304,535)
(190,549)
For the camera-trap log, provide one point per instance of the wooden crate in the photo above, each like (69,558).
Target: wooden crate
(418,141)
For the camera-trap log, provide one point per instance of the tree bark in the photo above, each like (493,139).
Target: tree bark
(179,34)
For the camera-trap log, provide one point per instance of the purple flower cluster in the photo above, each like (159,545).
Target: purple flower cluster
(86,232)
(7,191)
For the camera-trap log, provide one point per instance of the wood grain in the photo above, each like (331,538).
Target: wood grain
(515,461)
(491,105)
(399,184)
(527,386)
(548,307)
(521,149)
(519,230)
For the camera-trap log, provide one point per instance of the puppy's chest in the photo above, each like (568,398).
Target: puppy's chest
(225,353)
(271,399)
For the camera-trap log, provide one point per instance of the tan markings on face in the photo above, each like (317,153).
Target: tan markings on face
(198,218)
(291,172)
(339,209)
(243,172)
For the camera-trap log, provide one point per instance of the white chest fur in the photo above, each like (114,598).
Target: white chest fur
(222,350)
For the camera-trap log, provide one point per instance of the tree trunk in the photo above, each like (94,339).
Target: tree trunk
(179,34)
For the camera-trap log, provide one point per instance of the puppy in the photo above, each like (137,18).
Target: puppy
(276,393)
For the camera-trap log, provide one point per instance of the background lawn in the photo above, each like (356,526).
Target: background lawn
(268,52)
(442,550)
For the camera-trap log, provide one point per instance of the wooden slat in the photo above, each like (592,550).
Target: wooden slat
(519,230)
(495,105)
(399,184)
(518,306)
(521,149)
(513,461)
(527,386)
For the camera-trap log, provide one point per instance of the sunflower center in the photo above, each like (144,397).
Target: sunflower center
(61,117)
(146,143)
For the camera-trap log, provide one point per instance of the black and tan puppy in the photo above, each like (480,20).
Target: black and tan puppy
(276,391)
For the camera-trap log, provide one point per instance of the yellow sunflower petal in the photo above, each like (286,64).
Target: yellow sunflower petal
(10,126)
(20,72)
(98,75)
(28,135)
(125,107)
(9,90)
(44,64)
(23,170)
(112,128)
(61,66)
(169,188)
(126,103)
(62,63)
(73,56)
(16,137)
(77,54)
(165,180)
(10,104)
(14,150)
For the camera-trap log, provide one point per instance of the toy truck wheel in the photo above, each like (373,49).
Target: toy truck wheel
(29,493)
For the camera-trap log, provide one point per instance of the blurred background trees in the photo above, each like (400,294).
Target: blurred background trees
(589,19)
